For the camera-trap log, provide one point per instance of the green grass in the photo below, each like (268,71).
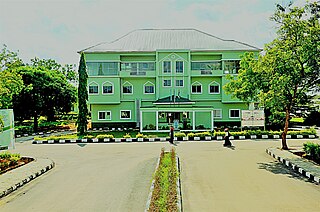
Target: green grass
(297,120)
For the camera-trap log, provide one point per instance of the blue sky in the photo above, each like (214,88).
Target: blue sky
(58,29)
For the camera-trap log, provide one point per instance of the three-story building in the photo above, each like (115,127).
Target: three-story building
(154,78)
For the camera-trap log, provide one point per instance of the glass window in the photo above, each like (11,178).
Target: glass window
(179,83)
(93,89)
(214,88)
(179,66)
(196,88)
(234,113)
(217,113)
(231,66)
(127,89)
(125,114)
(166,83)
(102,68)
(104,115)
(213,65)
(167,67)
(148,89)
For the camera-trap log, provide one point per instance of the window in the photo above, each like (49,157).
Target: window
(196,88)
(166,66)
(217,113)
(125,114)
(179,83)
(214,88)
(107,88)
(179,66)
(213,65)
(127,88)
(93,88)
(138,67)
(149,88)
(231,66)
(102,68)
(166,83)
(234,113)
(104,115)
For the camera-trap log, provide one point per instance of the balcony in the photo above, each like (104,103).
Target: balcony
(206,72)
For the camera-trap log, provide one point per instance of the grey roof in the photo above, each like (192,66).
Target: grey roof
(149,40)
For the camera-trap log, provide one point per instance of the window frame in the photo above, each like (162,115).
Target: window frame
(167,86)
(234,110)
(105,115)
(196,83)
(180,86)
(163,67)
(125,111)
(127,84)
(110,84)
(217,117)
(179,61)
(93,84)
(216,84)
(148,84)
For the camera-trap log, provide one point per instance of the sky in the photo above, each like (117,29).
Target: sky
(59,29)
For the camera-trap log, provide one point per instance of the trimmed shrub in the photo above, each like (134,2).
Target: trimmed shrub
(312,150)
(219,134)
(180,135)
(140,135)
(202,134)
(103,136)
(191,135)
(127,135)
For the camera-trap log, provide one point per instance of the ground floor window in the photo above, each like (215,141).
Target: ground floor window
(125,114)
(104,115)
(217,113)
(234,113)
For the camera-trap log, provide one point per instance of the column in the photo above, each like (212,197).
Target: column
(157,121)
(193,120)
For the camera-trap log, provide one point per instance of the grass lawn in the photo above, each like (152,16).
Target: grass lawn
(297,120)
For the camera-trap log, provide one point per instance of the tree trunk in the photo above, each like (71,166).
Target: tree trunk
(285,130)
(35,122)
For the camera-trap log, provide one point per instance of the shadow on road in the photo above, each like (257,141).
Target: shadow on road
(279,168)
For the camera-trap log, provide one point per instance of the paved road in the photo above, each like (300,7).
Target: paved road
(117,177)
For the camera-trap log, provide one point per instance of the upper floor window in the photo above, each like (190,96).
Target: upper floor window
(127,88)
(166,66)
(93,88)
(138,68)
(102,68)
(148,88)
(179,66)
(214,88)
(179,83)
(231,66)
(166,83)
(107,88)
(206,66)
(234,113)
(196,88)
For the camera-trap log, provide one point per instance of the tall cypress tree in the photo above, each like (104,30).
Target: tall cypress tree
(82,96)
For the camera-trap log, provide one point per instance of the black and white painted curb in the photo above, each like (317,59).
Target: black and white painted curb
(293,166)
(26,180)
(179,194)
(119,140)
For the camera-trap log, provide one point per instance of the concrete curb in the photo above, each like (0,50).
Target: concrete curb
(14,179)
(289,163)
(119,140)
(179,194)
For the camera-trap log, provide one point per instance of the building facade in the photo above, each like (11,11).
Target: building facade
(155,78)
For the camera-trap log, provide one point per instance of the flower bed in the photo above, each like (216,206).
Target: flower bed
(165,195)
(9,161)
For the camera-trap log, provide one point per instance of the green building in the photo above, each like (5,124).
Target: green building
(154,78)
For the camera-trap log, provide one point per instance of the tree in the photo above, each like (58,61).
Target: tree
(10,84)
(68,70)
(289,68)
(45,92)
(82,96)
(9,60)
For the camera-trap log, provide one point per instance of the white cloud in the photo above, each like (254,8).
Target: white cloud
(58,29)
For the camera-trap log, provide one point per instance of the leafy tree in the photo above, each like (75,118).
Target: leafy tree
(45,92)
(289,68)
(68,70)
(10,83)
(82,96)
(8,59)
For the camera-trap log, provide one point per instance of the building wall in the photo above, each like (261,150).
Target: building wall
(117,100)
